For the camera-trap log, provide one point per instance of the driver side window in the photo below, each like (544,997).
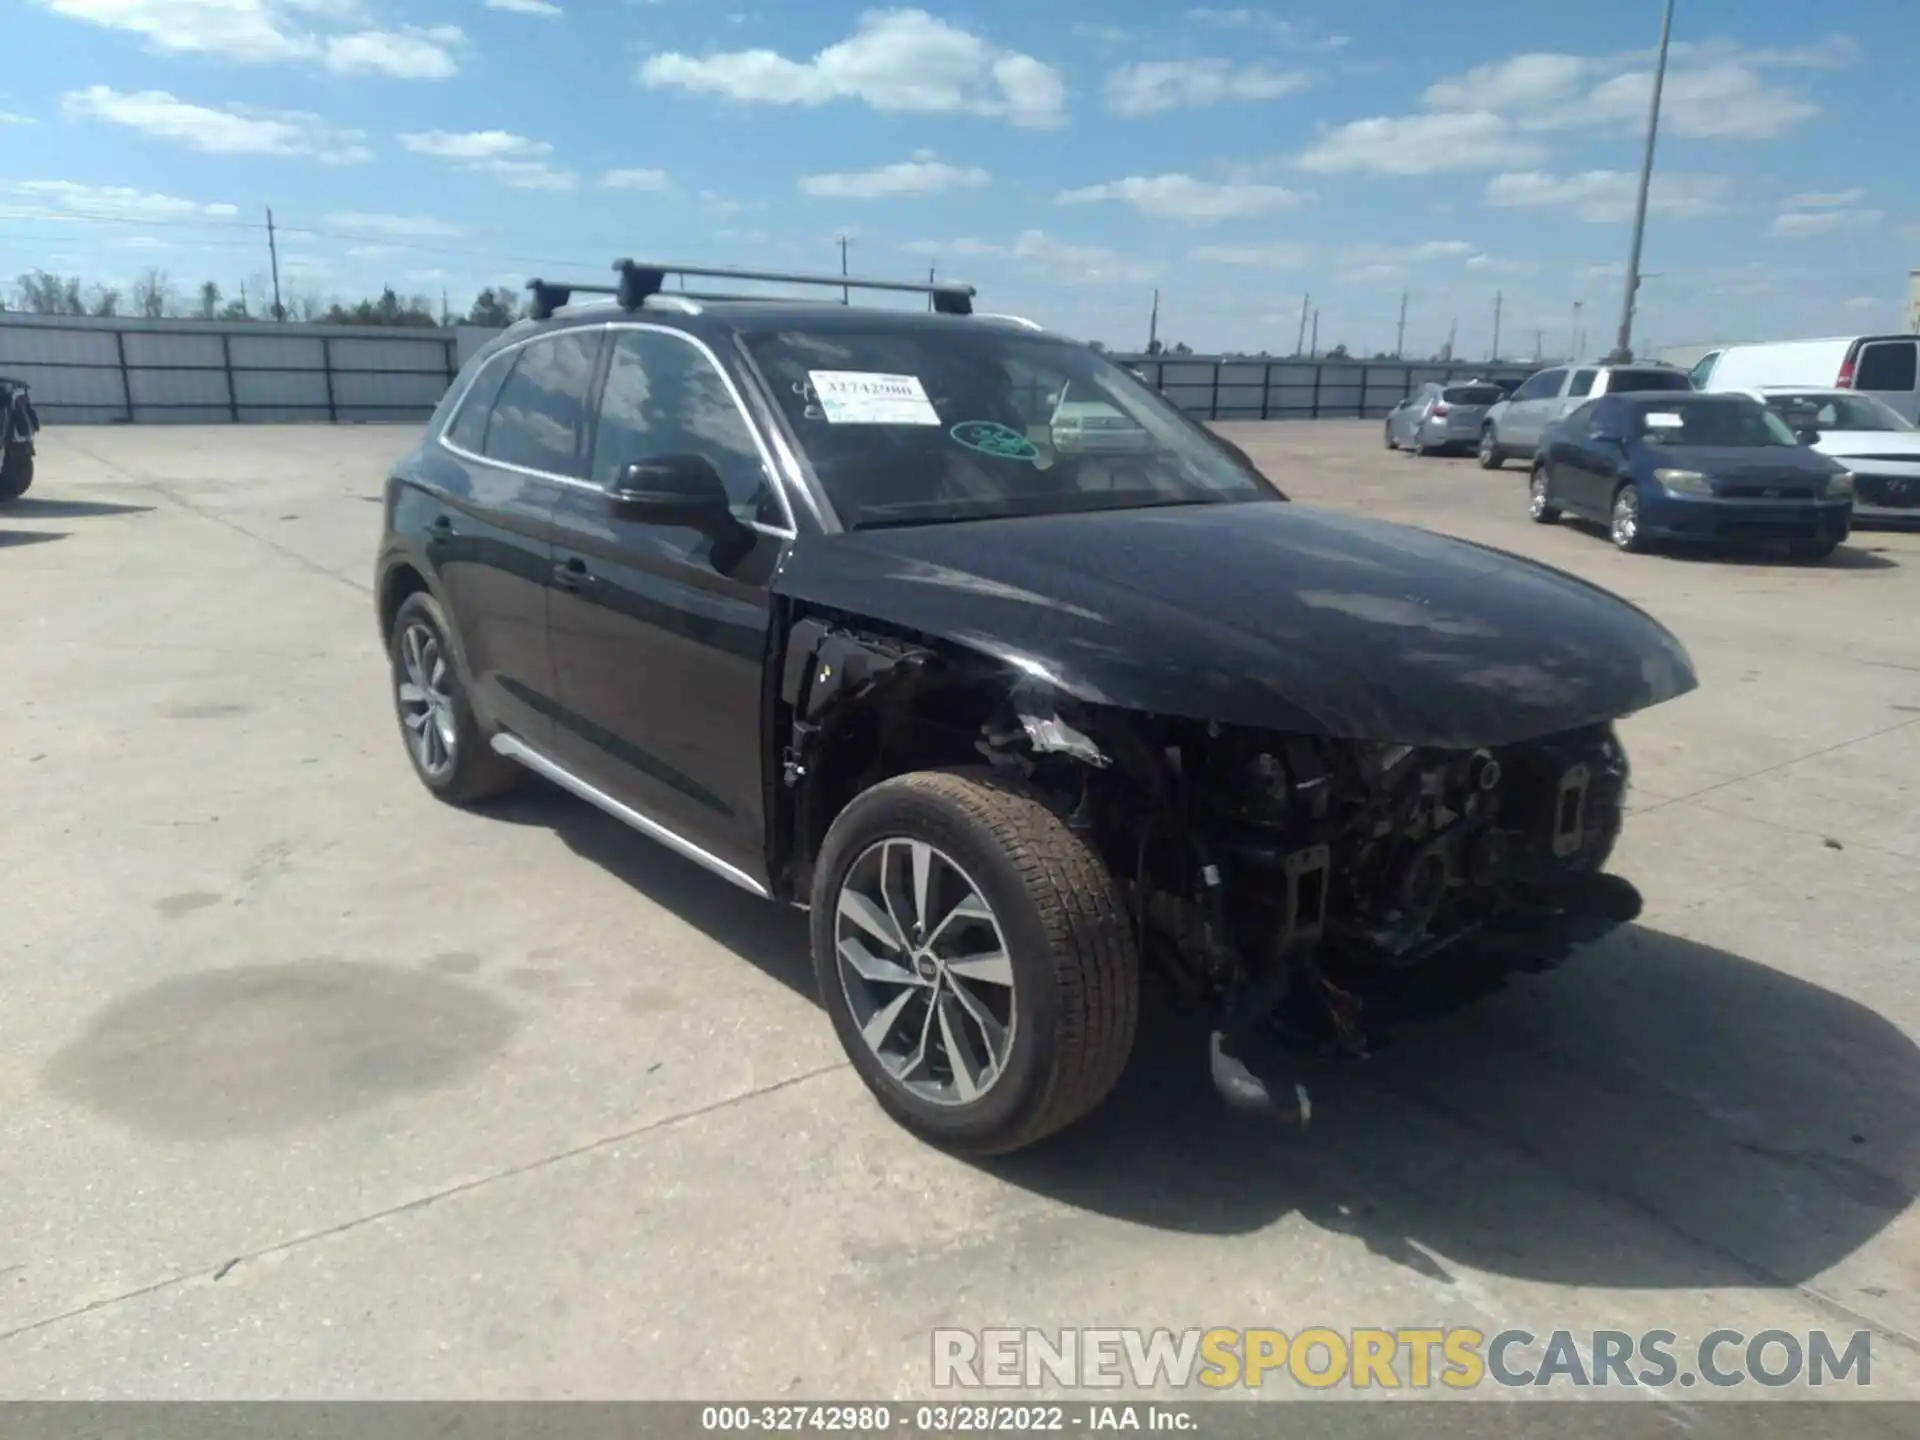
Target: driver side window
(664,397)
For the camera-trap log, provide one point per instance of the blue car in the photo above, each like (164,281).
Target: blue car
(1690,467)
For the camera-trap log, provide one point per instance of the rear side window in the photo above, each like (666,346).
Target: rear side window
(541,409)
(1474,395)
(1703,367)
(1582,382)
(1543,386)
(469,428)
(1887,365)
(1623,381)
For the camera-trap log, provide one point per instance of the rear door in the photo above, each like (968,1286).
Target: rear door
(1889,370)
(1533,405)
(516,440)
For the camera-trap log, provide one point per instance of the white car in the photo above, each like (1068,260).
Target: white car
(1880,446)
(1885,366)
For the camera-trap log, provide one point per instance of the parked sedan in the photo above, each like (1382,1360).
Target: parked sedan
(1441,417)
(1683,467)
(1864,433)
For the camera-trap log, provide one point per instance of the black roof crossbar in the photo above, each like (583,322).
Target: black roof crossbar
(641,278)
(549,296)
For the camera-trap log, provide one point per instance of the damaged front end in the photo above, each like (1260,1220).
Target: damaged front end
(1308,889)
(1315,889)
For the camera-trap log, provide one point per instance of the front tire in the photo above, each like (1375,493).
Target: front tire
(975,957)
(1392,444)
(1813,550)
(1490,455)
(16,472)
(1624,526)
(1540,506)
(444,740)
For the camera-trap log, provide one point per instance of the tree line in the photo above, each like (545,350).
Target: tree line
(154,296)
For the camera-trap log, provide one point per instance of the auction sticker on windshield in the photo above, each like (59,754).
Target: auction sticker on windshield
(1665,420)
(864,397)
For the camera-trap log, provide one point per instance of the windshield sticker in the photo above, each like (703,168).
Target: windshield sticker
(991,438)
(1665,420)
(863,397)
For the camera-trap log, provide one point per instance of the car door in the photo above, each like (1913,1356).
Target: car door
(660,631)
(1588,463)
(1889,370)
(1532,406)
(512,446)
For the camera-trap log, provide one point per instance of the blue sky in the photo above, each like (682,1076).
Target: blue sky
(1068,157)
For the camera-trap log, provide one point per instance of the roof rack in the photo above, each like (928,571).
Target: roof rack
(641,278)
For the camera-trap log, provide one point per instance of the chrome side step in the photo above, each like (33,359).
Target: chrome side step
(514,748)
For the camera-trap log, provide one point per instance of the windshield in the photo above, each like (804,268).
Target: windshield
(1837,412)
(921,425)
(1712,422)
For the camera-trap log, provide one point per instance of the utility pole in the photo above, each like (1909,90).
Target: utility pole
(1153,326)
(1453,331)
(1315,351)
(1623,343)
(1498,300)
(1400,335)
(930,281)
(1539,339)
(846,295)
(1300,343)
(1574,347)
(273,255)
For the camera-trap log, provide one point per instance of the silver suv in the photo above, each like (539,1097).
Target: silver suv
(1513,428)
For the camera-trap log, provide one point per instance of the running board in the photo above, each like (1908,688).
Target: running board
(516,749)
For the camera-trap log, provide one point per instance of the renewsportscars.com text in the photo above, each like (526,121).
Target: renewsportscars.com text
(1404,1358)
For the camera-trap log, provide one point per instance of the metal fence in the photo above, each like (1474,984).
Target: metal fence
(86,370)
(1212,387)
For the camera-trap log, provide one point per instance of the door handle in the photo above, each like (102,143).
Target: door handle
(573,575)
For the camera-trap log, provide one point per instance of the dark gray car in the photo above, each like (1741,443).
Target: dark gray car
(1441,416)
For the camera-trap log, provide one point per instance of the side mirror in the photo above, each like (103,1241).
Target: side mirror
(671,490)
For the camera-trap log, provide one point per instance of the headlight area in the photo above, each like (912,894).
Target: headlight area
(1840,485)
(1685,482)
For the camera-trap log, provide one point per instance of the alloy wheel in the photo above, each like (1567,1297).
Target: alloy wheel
(1626,518)
(1537,502)
(426,700)
(925,970)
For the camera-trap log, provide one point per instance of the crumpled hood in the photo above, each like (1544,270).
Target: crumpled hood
(1263,614)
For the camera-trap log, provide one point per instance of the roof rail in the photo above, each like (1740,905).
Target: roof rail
(642,278)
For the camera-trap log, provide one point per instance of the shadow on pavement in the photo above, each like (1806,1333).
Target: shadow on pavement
(769,936)
(30,537)
(30,508)
(1760,1124)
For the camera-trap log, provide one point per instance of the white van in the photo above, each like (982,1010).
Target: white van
(1884,366)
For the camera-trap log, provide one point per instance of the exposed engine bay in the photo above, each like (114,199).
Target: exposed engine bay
(1293,882)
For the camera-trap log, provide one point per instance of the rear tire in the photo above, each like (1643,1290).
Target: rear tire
(1813,550)
(1392,444)
(16,472)
(1062,1006)
(1490,454)
(449,751)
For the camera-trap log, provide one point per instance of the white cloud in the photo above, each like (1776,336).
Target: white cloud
(538,8)
(9,117)
(265,31)
(1801,224)
(895,60)
(962,246)
(1271,257)
(1079,264)
(1158,85)
(411,53)
(1284,31)
(514,159)
(399,226)
(634,180)
(1607,196)
(1422,145)
(921,176)
(118,202)
(226,130)
(1712,92)
(1182,197)
(1818,200)
(1866,302)
(433,275)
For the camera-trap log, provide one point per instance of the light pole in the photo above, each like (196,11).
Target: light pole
(1623,344)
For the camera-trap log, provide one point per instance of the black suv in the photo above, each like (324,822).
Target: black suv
(810,594)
